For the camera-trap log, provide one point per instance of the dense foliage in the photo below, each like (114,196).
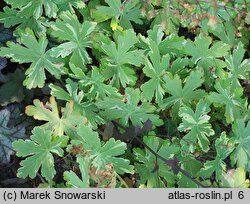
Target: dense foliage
(122,93)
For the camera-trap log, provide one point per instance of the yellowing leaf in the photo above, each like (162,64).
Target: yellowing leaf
(49,113)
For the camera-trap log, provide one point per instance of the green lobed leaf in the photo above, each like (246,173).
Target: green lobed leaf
(97,89)
(34,52)
(182,94)
(241,136)
(38,152)
(30,8)
(155,69)
(226,32)
(120,57)
(200,49)
(228,97)
(49,113)
(102,154)
(10,17)
(223,150)
(76,36)
(129,110)
(88,109)
(198,126)
(238,68)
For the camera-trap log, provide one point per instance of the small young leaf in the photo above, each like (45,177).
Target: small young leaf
(125,13)
(97,89)
(88,109)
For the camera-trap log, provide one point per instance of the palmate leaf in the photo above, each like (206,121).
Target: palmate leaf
(38,151)
(73,180)
(76,34)
(36,8)
(208,56)
(96,87)
(8,135)
(120,56)
(241,137)
(49,112)
(33,52)
(238,68)
(102,154)
(124,13)
(10,17)
(171,44)
(197,123)
(72,93)
(182,95)
(155,70)
(50,8)
(87,108)
(128,111)
(223,150)
(228,97)
(200,49)
(147,162)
